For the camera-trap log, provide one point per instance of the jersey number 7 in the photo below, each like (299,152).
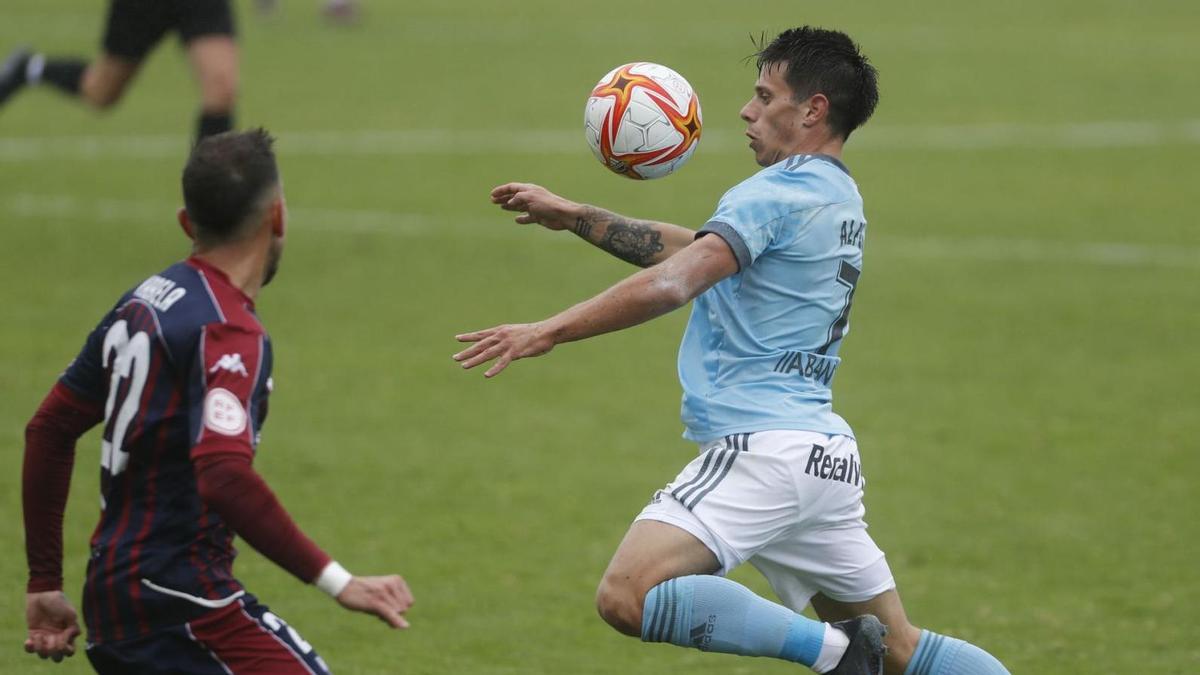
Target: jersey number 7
(847,276)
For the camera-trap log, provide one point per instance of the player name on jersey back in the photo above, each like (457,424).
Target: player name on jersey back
(160,292)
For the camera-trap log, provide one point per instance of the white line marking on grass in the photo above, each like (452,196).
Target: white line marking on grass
(411,142)
(1112,254)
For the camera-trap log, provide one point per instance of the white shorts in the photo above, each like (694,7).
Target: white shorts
(787,502)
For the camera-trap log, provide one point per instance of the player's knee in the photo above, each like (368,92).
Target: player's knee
(620,605)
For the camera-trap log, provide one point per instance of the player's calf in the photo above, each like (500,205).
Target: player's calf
(941,655)
(103,82)
(715,614)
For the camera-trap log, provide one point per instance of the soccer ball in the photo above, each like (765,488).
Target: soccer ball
(642,120)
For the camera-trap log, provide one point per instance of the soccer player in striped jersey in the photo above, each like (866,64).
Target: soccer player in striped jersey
(779,481)
(179,374)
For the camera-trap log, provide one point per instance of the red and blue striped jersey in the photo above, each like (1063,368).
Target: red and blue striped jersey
(183,369)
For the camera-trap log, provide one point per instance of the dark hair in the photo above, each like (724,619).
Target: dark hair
(826,62)
(224,179)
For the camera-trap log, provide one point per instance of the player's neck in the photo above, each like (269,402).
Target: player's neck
(243,265)
(827,145)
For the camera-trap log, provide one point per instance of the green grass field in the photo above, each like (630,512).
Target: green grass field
(1021,371)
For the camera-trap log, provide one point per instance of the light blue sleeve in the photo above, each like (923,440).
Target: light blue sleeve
(760,213)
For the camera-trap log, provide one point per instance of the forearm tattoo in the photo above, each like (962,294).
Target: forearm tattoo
(634,241)
(583,225)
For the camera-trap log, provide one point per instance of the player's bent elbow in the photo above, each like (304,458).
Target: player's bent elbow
(620,607)
(670,291)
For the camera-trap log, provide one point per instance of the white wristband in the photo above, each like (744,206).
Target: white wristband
(333,579)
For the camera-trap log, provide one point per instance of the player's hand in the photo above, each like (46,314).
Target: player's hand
(53,625)
(505,344)
(536,204)
(385,597)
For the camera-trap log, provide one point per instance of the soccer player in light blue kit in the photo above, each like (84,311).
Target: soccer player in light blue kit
(779,481)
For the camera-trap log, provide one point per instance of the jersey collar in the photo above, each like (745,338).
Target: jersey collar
(212,271)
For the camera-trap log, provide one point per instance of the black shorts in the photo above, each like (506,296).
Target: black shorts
(135,26)
(244,637)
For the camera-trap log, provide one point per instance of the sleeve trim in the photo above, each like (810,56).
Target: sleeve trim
(731,236)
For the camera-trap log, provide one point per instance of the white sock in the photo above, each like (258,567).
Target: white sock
(33,69)
(832,650)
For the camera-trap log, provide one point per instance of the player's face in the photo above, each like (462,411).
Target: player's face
(774,120)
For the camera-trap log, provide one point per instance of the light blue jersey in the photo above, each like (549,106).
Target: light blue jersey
(761,347)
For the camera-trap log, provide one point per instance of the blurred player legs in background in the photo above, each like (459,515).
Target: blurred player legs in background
(133,29)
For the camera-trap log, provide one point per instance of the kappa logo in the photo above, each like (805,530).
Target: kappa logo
(232,363)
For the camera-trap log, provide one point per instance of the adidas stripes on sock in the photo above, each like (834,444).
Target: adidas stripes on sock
(715,614)
(941,655)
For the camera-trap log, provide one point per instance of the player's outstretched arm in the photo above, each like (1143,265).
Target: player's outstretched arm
(641,242)
(634,300)
(231,487)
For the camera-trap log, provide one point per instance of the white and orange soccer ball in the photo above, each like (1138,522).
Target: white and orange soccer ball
(643,120)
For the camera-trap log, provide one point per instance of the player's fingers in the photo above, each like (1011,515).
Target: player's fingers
(29,645)
(484,356)
(39,645)
(517,201)
(404,591)
(390,616)
(56,644)
(66,642)
(502,193)
(475,349)
(400,594)
(525,219)
(500,365)
(474,336)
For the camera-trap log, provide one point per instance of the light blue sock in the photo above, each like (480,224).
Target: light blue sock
(715,614)
(941,655)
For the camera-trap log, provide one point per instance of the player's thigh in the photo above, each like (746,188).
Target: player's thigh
(829,551)
(651,553)
(737,497)
(206,28)
(902,636)
(169,651)
(248,638)
(214,60)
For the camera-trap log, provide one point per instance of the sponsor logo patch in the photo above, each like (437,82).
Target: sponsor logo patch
(223,412)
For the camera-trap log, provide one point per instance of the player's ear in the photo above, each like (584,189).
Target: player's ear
(277,214)
(186,223)
(817,110)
